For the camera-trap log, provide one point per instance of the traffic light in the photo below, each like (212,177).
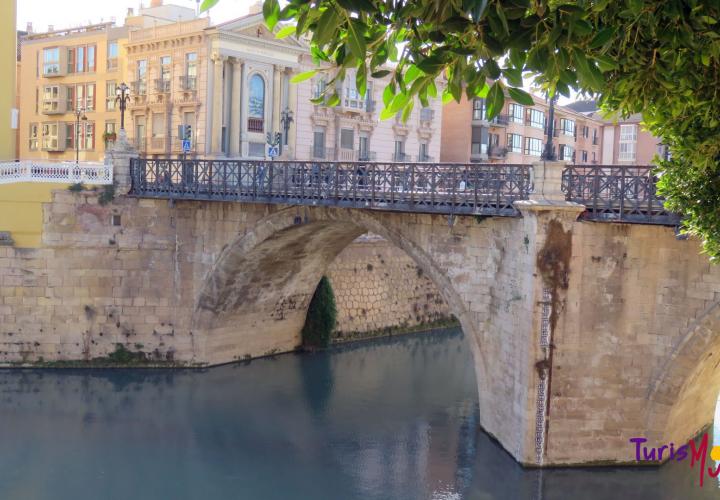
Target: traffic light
(188,132)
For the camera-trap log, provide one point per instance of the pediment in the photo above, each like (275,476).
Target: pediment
(253,26)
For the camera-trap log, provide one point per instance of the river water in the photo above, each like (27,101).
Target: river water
(386,419)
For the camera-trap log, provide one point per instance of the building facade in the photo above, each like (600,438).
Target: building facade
(8,67)
(64,72)
(518,134)
(626,142)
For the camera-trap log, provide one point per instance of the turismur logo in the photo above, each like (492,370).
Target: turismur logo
(696,452)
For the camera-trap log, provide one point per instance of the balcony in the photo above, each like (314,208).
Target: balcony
(54,107)
(497,152)
(141,144)
(480,118)
(320,152)
(367,155)
(162,85)
(138,88)
(347,155)
(157,143)
(255,125)
(401,157)
(188,83)
(426,159)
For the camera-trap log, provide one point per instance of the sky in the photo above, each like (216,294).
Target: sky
(70,13)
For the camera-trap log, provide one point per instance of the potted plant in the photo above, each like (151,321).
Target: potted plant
(109,137)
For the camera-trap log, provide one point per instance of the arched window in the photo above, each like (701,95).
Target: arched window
(256,104)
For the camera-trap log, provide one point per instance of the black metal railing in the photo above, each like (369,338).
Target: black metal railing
(617,194)
(440,188)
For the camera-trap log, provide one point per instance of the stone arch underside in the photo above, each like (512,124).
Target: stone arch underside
(683,394)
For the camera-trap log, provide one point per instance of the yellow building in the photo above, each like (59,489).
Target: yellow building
(64,71)
(8,112)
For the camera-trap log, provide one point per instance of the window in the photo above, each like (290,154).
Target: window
(90,97)
(347,138)
(586,131)
(51,61)
(595,137)
(584,156)
(71,61)
(319,87)
(593,157)
(364,150)
(50,136)
(628,142)
(399,154)
(423,156)
(256,104)
(514,143)
(37,99)
(165,74)
(87,135)
(256,149)
(112,56)
(141,75)
(110,98)
(69,136)
(70,97)
(190,77)
(517,113)
(479,144)
(90,58)
(567,153)
(34,130)
(81,96)
(567,127)
(51,99)
(479,109)
(110,128)
(533,146)
(158,125)
(79,59)
(319,143)
(537,118)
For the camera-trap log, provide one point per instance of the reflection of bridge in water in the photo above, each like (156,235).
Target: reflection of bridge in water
(610,193)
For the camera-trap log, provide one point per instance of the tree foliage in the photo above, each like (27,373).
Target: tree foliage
(658,58)
(321,316)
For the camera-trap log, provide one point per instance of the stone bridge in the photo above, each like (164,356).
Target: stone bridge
(584,333)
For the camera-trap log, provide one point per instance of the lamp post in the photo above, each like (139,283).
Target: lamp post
(548,153)
(122,93)
(286,118)
(79,115)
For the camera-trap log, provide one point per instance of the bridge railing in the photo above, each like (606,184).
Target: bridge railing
(61,172)
(617,193)
(486,189)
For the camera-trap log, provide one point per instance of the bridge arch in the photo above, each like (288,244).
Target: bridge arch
(683,393)
(254,298)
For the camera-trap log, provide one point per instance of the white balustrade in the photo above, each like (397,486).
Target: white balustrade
(62,172)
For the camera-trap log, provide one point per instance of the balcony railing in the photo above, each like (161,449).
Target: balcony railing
(255,125)
(47,171)
(617,193)
(401,157)
(188,83)
(157,143)
(141,144)
(138,88)
(497,152)
(407,187)
(162,85)
(318,152)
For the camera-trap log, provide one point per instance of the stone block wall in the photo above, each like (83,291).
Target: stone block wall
(378,287)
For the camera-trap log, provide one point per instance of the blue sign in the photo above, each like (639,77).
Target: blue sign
(273,151)
(186,145)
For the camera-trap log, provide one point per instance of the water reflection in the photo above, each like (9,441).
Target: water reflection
(391,419)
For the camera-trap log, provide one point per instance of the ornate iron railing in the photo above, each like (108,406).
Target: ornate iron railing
(483,189)
(617,193)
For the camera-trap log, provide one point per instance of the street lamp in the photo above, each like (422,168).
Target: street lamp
(122,92)
(548,154)
(79,115)
(286,118)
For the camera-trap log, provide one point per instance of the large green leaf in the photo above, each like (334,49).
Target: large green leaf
(271,13)
(208,4)
(495,100)
(286,31)
(356,38)
(520,96)
(301,77)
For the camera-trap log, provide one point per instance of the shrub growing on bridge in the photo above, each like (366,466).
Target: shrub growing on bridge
(321,316)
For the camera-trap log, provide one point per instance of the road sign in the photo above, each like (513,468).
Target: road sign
(273,151)
(186,145)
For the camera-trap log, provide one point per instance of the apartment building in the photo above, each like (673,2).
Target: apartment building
(626,142)
(518,134)
(63,72)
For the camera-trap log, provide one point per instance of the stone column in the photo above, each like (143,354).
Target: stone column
(235,108)
(292,104)
(243,105)
(277,98)
(119,158)
(548,226)
(216,129)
